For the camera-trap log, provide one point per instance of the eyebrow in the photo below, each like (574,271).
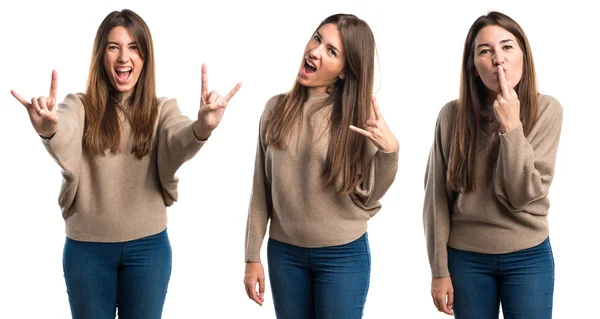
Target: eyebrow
(330,45)
(113,42)
(486,44)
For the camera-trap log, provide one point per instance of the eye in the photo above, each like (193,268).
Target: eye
(332,52)
(484,51)
(112,47)
(317,38)
(507,47)
(133,47)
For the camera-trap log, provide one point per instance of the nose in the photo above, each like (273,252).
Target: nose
(315,52)
(123,56)
(498,59)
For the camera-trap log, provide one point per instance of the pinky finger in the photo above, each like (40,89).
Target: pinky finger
(360,131)
(232,92)
(20,98)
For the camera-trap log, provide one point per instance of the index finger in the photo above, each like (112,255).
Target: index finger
(204,88)
(20,98)
(503,84)
(376,110)
(232,93)
(53,85)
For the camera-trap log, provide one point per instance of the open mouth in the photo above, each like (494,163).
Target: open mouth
(123,73)
(309,68)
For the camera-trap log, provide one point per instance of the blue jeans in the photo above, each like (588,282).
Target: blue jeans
(319,283)
(522,282)
(132,276)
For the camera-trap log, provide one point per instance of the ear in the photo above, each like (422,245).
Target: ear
(342,75)
(476,74)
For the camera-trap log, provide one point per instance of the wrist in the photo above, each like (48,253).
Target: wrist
(199,133)
(47,136)
(509,127)
(392,148)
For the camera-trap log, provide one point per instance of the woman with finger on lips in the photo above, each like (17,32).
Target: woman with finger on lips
(119,147)
(324,159)
(487,181)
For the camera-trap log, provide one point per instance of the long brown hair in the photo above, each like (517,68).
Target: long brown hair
(101,99)
(351,99)
(473,99)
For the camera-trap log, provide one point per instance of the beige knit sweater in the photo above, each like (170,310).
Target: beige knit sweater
(117,197)
(289,190)
(508,210)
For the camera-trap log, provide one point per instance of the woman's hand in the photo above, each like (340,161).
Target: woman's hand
(507,107)
(377,131)
(442,294)
(212,107)
(255,274)
(42,110)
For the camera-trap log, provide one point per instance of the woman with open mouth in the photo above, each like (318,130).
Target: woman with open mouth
(119,147)
(324,159)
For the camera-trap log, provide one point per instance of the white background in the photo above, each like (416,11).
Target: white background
(260,43)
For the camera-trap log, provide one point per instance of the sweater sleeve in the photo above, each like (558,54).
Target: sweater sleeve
(380,175)
(438,198)
(66,147)
(525,165)
(261,204)
(259,211)
(176,145)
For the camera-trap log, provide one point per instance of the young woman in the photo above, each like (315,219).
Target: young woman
(487,180)
(325,157)
(119,147)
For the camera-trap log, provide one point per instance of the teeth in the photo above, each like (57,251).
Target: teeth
(123,69)
(312,65)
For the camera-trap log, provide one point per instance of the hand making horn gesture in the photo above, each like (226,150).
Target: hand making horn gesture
(377,130)
(507,107)
(42,110)
(212,107)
